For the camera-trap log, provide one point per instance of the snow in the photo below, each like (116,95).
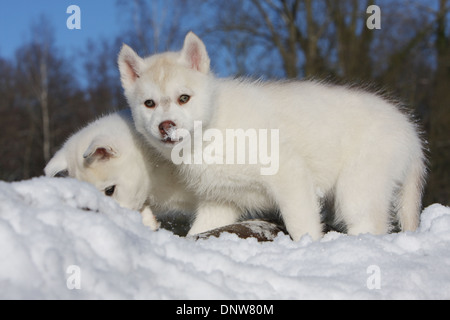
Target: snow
(62,239)
(172,134)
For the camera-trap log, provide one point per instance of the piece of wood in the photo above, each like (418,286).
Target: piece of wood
(261,230)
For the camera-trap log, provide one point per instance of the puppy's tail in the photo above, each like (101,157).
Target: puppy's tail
(410,197)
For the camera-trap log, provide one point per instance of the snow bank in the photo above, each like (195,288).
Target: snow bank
(62,239)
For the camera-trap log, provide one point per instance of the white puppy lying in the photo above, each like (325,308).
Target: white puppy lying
(112,156)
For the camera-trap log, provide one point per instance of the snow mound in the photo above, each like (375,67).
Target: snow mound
(62,239)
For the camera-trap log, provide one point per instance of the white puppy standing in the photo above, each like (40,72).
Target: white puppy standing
(112,156)
(334,142)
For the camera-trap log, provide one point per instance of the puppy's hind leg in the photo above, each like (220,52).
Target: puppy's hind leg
(363,200)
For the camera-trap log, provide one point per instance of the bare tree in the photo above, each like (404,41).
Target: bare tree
(353,38)
(44,88)
(101,77)
(267,24)
(12,128)
(34,66)
(156,26)
(440,116)
(294,29)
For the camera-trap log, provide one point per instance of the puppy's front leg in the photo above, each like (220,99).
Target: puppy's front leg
(149,219)
(299,207)
(211,215)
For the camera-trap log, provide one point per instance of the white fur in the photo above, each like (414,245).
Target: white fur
(109,152)
(336,142)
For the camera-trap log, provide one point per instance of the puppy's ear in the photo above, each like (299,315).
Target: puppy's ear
(130,66)
(57,166)
(194,54)
(101,149)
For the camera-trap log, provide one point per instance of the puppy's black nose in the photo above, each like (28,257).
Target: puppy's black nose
(164,127)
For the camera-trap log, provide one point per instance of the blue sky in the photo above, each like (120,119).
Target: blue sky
(99,18)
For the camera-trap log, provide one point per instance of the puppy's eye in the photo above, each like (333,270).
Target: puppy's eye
(183,99)
(110,191)
(150,103)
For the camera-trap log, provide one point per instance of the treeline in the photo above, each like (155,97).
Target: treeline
(45,96)
(42,101)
